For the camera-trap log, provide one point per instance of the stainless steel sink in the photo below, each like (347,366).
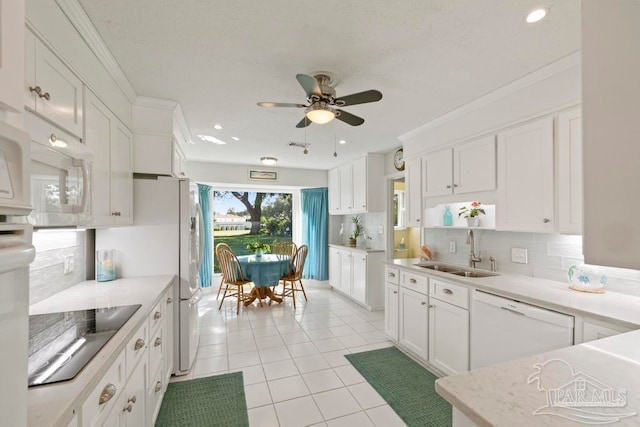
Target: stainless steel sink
(465,273)
(439,267)
(454,269)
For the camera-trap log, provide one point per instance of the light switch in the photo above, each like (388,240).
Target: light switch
(452,247)
(381,229)
(519,255)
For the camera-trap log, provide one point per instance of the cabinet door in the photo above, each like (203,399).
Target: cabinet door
(413,194)
(334,191)
(391,310)
(64,89)
(121,173)
(346,188)
(12,59)
(335,267)
(132,402)
(437,173)
(570,172)
(474,166)
(98,134)
(345,271)
(359,274)
(525,178)
(448,337)
(168,334)
(359,185)
(414,317)
(595,330)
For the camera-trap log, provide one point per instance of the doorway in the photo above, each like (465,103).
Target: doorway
(404,242)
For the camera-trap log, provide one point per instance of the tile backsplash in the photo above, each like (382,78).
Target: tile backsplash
(549,255)
(371,223)
(47,276)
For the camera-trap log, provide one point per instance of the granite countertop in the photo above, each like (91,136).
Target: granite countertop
(613,307)
(355,249)
(543,389)
(53,404)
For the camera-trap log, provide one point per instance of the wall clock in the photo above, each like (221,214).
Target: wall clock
(398,160)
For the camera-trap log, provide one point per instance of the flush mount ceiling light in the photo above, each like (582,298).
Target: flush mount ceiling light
(213,140)
(342,141)
(217,126)
(320,113)
(269,161)
(536,15)
(235,138)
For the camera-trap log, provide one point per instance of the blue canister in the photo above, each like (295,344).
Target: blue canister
(447,218)
(105,267)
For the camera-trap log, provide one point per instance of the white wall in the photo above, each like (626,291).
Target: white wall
(220,173)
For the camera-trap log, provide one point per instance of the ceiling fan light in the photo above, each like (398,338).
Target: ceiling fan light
(269,161)
(536,15)
(320,114)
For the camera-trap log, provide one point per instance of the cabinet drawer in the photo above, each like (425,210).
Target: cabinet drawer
(104,396)
(449,292)
(156,350)
(136,348)
(155,391)
(392,275)
(415,282)
(156,317)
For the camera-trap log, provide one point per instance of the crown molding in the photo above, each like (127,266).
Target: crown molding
(565,63)
(80,20)
(181,122)
(160,104)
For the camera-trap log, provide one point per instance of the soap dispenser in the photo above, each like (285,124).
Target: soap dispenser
(447,218)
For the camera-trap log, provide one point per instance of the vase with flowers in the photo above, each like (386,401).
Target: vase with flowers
(472,213)
(357,230)
(258,248)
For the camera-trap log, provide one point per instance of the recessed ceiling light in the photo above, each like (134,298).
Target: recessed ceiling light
(235,138)
(211,139)
(342,141)
(217,126)
(536,15)
(269,161)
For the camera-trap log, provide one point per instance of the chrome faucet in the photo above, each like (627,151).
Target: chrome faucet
(473,258)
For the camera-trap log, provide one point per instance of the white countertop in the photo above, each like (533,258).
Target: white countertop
(53,404)
(510,394)
(355,249)
(612,307)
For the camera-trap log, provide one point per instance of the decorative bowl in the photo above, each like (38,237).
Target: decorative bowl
(587,278)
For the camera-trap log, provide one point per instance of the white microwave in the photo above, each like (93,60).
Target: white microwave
(60,176)
(14,167)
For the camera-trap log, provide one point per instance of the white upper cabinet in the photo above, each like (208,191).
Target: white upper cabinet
(51,89)
(111,144)
(525,178)
(570,172)
(356,187)
(466,168)
(413,187)
(11,59)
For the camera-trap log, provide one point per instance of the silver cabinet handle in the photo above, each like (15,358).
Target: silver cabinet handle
(158,387)
(546,220)
(157,342)
(395,292)
(413,281)
(45,95)
(107,393)
(128,407)
(157,315)
(448,186)
(430,306)
(392,274)
(169,300)
(455,185)
(447,291)
(139,344)
(423,303)
(36,89)
(418,220)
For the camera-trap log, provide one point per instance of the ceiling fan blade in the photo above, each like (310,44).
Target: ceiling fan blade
(359,98)
(350,119)
(309,84)
(280,104)
(303,123)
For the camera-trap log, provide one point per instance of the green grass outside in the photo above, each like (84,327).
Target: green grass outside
(238,244)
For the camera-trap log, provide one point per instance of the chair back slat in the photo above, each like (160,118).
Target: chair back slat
(229,264)
(299,259)
(285,248)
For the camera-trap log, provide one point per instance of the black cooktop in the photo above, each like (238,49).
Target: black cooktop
(61,344)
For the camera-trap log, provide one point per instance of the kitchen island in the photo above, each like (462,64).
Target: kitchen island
(59,404)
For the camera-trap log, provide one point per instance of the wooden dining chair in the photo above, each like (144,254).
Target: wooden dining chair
(233,278)
(284,248)
(294,277)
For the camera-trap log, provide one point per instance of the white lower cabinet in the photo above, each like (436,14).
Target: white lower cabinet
(414,318)
(130,409)
(448,337)
(596,329)
(391,303)
(358,274)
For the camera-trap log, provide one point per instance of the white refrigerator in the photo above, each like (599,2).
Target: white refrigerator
(166,238)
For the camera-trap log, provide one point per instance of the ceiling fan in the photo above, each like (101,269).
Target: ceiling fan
(322,101)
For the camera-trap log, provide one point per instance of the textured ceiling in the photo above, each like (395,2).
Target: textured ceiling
(427,57)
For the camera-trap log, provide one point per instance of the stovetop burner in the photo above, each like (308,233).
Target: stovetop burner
(61,344)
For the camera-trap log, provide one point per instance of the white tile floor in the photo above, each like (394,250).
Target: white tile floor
(292,361)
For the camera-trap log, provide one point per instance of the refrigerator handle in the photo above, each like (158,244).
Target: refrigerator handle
(201,236)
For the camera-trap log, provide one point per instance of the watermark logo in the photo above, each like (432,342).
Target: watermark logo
(577,396)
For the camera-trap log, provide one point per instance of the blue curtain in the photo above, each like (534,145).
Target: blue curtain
(206,269)
(315,232)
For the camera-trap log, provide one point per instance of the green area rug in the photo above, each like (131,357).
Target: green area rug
(203,402)
(406,386)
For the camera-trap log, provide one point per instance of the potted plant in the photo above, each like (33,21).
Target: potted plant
(258,248)
(472,213)
(357,230)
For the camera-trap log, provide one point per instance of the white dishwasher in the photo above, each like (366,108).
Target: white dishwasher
(503,329)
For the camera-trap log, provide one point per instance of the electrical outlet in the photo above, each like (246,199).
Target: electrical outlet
(381,229)
(68,264)
(452,247)
(519,255)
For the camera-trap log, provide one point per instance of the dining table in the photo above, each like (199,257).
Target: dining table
(264,271)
